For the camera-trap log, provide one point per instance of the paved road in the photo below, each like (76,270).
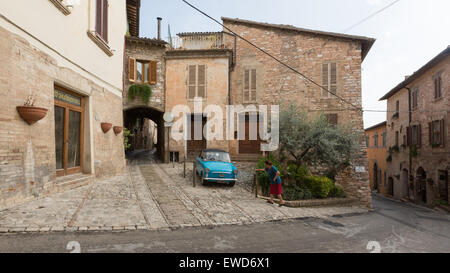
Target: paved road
(397,227)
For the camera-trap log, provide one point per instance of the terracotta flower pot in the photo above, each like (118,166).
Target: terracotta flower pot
(117,129)
(106,127)
(31,114)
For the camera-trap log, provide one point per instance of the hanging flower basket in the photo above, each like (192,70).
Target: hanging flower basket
(117,129)
(106,127)
(31,114)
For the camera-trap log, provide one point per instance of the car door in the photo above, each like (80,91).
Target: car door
(199,163)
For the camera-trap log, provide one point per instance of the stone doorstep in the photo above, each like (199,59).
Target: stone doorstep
(315,202)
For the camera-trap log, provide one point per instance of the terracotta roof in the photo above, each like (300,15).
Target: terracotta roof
(366,42)
(146,40)
(418,73)
(376,126)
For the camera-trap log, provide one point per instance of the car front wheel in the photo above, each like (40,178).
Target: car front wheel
(231,184)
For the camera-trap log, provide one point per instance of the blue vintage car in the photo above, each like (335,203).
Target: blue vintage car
(214,165)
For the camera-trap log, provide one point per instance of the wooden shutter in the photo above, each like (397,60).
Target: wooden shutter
(333,78)
(442,132)
(132,69)
(332,119)
(419,135)
(430,133)
(253,85)
(152,72)
(201,83)
(105,21)
(246,85)
(325,82)
(192,81)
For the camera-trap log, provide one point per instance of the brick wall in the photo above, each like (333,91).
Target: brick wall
(276,84)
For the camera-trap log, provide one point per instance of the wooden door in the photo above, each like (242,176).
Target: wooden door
(195,146)
(69,116)
(247,145)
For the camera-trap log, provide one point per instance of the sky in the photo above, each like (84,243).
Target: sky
(409,33)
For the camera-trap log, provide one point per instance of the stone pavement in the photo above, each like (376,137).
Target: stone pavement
(151,197)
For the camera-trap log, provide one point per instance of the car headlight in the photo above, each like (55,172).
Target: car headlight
(207,170)
(235,171)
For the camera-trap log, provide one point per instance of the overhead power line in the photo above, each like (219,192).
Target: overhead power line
(273,57)
(370,16)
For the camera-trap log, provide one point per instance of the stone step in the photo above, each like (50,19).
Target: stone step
(246,157)
(74,181)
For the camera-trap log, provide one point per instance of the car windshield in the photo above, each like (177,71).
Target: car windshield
(216,156)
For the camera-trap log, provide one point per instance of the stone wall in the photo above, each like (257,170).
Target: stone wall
(277,84)
(27,153)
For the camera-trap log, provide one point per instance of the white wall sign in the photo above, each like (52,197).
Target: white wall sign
(360,169)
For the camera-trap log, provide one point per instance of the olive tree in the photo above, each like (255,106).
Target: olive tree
(310,139)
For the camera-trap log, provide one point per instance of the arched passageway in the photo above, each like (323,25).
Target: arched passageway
(147,126)
(375,177)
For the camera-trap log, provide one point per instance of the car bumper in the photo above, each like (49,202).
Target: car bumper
(221,179)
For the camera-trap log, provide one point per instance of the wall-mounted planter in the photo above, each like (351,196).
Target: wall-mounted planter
(106,127)
(31,114)
(117,129)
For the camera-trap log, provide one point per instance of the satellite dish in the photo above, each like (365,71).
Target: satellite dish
(168,117)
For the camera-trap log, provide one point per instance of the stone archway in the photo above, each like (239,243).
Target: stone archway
(134,119)
(421,185)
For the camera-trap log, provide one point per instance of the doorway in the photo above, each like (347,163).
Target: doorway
(250,143)
(421,185)
(375,177)
(196,141)
(443,185)
(69,116)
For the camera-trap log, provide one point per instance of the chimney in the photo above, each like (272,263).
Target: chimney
(159,27)
(406,77)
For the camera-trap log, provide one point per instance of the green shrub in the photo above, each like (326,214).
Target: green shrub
(298,173)
(296,193)
(320,186)
(336,192)
(263,178)
(142,90)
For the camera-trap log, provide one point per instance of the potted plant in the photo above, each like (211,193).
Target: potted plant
(106,127)
(29,112)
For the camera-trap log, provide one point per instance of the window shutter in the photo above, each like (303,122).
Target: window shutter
(192,81)
(201,88)
(246,85)
(430,133)
(408,136)
(333,78)
(98,17)
(419,135)
(253,85)
(132,69)
(153,77)
(105,21)
(325,79)
(442,132)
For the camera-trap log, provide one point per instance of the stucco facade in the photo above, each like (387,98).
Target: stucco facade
(420,163)
(376,142)
(58,54)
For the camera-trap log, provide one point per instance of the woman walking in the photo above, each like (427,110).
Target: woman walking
(275,182)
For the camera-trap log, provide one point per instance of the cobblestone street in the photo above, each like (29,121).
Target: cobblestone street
(152,197)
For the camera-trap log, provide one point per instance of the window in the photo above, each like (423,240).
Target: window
(375,140)
(332,119)
(196,81)
(140,71)
(415,98)
(436,133)
(396,138)
(414,135)
(384,139)
(397,108)
(367,141)
(437,86)
(249,85)
(329,78)
(101,19)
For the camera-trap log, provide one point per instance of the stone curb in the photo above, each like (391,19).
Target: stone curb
(315,202)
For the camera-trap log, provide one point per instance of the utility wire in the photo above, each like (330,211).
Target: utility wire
(273,57)
(372,15)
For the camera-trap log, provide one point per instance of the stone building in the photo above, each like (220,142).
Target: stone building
(235,73)
(418,133)
(68,60)
(376,142)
